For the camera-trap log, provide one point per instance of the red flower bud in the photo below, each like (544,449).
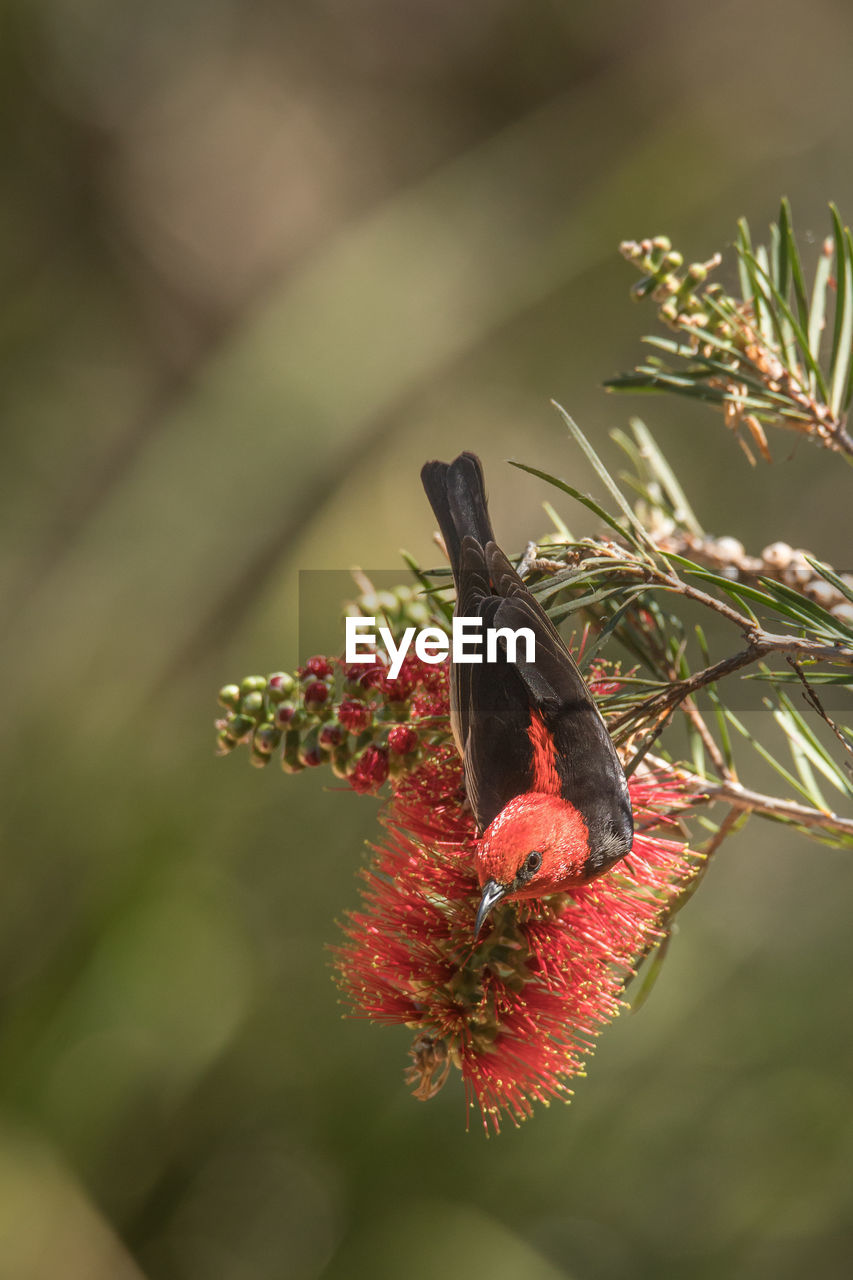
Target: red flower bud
(371,770)
(284,713)
(365,675)
(318,667)
(279,686)
(355,716)
(402,739)
(316,694)
(331,735)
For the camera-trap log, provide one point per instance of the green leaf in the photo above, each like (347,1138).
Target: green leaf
(786,229)
(830,576)
(583,498)
(557,521)
(744,244)
(839,364)
(641,538)
(663,472)
(791,677)
(812,614)
(801,761)
(848,393)
(563,611)
(817,313)
(652,971)
(797,726)
(697,749)
(607,631)
(767,756)
(714,698)
(781,305)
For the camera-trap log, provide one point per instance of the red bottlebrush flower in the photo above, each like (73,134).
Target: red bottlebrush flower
(400,689)
(603,678)
(402,739)
(519,1010)
(371,770)
(355,716)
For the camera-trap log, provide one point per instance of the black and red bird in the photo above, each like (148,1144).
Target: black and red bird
(542,775)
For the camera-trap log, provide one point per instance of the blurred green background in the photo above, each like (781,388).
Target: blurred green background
(258,261)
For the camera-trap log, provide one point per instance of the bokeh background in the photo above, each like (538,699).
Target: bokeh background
(259,259)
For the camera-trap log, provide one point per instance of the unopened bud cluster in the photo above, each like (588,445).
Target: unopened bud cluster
(676,287)
(354,717)
(403,607)
(778,561)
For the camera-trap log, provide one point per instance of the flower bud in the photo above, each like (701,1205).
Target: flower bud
(317,668)
(777,555)
(331,735)
(229,696)
(316,695)
(239,727)
(252,704)
(290,761)
(284,714)
(266,739)
(309,751)
(341,761)
(844,613)
(280,685)
(253,684)
(355,716)
(402,739)
(823,593)
(370,771)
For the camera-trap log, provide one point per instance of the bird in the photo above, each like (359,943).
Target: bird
(542,776)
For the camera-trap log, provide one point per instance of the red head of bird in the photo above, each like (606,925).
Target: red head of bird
(537,844)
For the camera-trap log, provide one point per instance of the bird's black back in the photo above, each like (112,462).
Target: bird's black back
(492,703)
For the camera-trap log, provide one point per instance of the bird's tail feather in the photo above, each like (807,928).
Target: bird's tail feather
(457,495)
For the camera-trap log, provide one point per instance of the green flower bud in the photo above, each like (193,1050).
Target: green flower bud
(280,685)
(229,696)
(253,684)
(341,761)
(252,704)
(290,761)
(266,739)
(239,727)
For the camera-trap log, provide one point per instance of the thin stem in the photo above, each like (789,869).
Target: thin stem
(762,645)
(740,797)
(695,717)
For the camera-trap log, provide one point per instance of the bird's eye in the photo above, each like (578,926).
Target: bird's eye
(532,863)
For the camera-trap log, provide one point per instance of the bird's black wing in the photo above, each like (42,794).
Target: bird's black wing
(492,703)
(591,775)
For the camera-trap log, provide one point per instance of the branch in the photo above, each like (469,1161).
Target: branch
(762,645)
(740,797)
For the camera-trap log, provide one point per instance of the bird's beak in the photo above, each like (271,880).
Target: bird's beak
(492,894)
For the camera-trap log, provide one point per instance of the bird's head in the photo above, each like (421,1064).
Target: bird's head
(537,844)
